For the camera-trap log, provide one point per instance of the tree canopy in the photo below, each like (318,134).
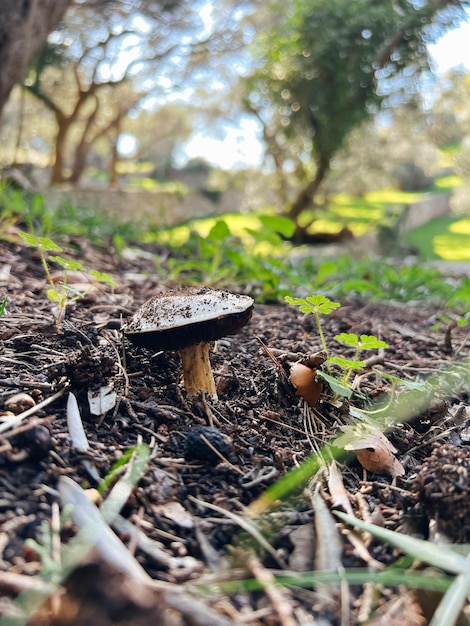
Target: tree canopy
(111,60)
(327,66)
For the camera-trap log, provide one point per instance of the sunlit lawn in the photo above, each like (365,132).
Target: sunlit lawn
(237,224)
(359,214)
(362,214)
(445,238)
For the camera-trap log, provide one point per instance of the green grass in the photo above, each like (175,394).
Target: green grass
(446,238)
(447,183)
(246,252)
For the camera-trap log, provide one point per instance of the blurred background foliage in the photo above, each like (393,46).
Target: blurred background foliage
(341,101)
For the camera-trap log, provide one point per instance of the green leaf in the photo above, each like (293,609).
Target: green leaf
(102,277)
(54,296)
(219,231)
(337,387)
(414,385)
(48,245)
(349,339)
(370,342)
(314,304)
(323,304)
(278,224)
(32,240)
(72,292)
(3,305)
(347,364)
(364,342)
(39,242)
(68,264)
(115,470)
(136,468)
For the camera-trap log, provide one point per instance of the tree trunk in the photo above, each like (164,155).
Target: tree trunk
(80,161)
(24,27)
(304,200)
(57,172)
(306,195)
(113,166)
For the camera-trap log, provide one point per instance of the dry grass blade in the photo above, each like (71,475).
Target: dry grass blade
(276,594)
(78,436)
(75,425)
(453,601)
(178,565)
(329,544)
(246,525)
(439,556)
(338,493)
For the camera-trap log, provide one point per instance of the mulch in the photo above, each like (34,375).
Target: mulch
(201,513)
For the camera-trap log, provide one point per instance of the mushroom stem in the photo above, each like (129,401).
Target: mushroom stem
(197,371)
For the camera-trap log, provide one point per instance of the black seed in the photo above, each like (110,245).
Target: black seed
(197,449)
(38,440)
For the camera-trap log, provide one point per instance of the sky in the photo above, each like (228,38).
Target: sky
(238,145)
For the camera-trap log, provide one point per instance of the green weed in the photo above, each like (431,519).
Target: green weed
(61,293)
(45,547)
(230,255)
(319,305)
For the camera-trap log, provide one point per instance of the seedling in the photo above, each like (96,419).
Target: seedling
(46,547)
(61,293)
(364,342)
(321,305)
(317,305)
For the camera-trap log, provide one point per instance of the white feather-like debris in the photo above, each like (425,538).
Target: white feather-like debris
(78,436)
(75,425)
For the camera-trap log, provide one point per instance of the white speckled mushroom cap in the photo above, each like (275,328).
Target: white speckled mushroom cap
(186,316)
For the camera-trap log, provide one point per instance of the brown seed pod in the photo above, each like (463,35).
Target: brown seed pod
(305,382)
(19,403)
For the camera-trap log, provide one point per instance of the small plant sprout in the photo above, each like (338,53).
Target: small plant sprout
(48,545)
(317,305)
(321,305)
(361,343)
(61,293)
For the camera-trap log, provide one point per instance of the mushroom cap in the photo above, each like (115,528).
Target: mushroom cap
(183,317)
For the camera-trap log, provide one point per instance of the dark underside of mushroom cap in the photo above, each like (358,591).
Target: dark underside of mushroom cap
(191,334)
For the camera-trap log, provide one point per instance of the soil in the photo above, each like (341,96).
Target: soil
(196,510)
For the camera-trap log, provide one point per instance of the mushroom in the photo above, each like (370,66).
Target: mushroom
(187,320)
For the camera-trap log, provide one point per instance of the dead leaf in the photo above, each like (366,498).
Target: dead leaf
(380,460)
(315,360)
(175,512)
(338,493)
(303,554)
(373,450)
